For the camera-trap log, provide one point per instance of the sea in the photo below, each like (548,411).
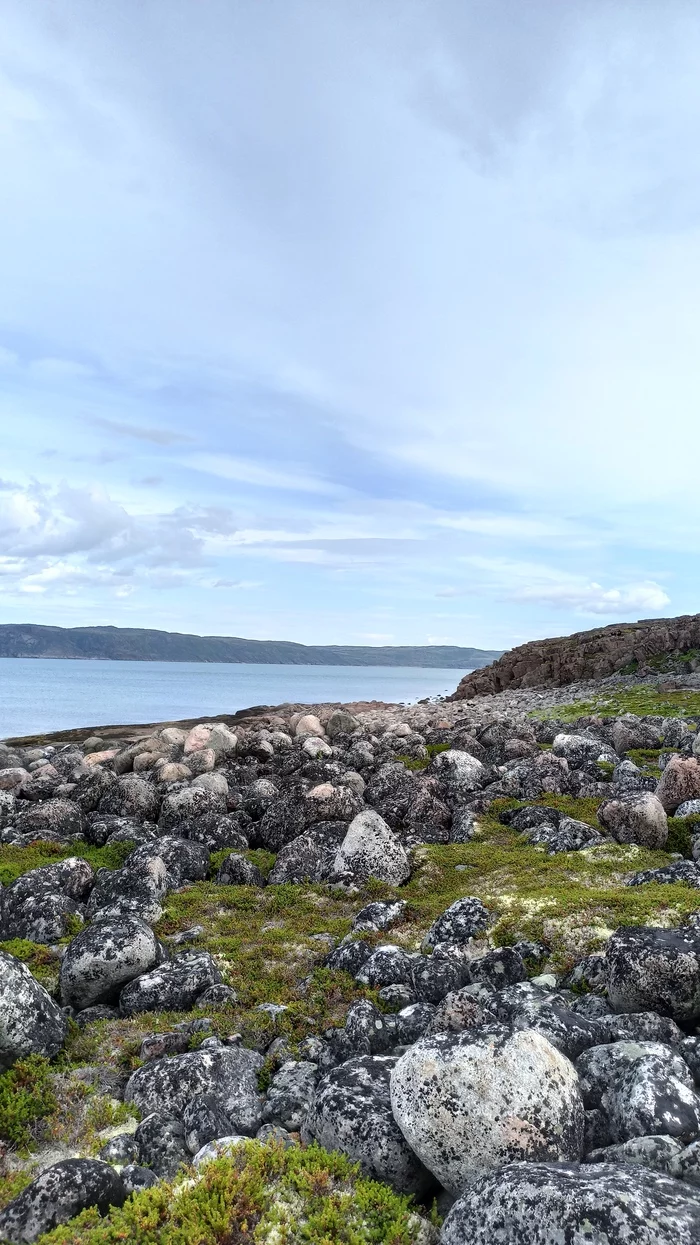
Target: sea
(42,694)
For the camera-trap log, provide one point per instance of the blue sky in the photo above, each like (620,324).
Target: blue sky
(349,322)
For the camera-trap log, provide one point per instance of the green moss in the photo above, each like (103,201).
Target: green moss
(414,763)
(12,1183)
(257,1194)
(14,861)
(639,698)
(41,960)
(680,834)
(26,1096)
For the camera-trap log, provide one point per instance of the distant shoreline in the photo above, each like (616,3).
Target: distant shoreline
(31,640)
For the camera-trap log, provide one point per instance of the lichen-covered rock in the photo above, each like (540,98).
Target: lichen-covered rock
(564,1204)
(283,821)
(635,817)
(371,850)
(653,969)
(679,782)
(468,1103)
(228,1072)
(387,965)
(326,802)
(462,921)
(130,891)
(351,1112)
(236,870)
(568,836)
(60,816)
(173,986)
(685,871)
(349,956)
(57,1195)
(204,1120)
(187,804)
(459,775)
(659,1153)
(31,1023)
(38,905)
(131,796)
(160,1139)
(310,856)
(290,1094)
(103,957)
(526,1006)
(184,861)
(644,1088)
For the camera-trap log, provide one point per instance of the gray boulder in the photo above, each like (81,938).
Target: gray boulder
(31,1023)
(468,1103)
(184,861)
(635,817)
(644,1088)
(564,1204)
(189,803)
(58,1194)
(660,1153)
(462,921)
(60,817)
(653,969)
(370,849)
(160,1139)
(290,1094)
(174,986)
(236,870)
(459,775)
(131,796)
(228,1072)
(310,856)
(351,1112)
(103,957)
(204,1120)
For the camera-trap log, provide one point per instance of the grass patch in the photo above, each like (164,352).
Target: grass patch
(680,834)
(419,763)
(26,1097)
(41,961)
(259,1193)
(640,699)
(14,860)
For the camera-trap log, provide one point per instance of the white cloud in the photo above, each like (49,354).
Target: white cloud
(594,599)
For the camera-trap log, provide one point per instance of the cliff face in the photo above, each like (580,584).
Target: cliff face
(585,655)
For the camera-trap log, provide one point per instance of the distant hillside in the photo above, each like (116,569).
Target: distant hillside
(137,644)
(651,645)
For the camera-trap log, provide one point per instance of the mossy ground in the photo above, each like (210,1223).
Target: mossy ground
(266,941)
(641,698)
(260,1193)
(14,861)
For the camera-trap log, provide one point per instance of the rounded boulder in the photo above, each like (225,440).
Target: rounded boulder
(469,1103)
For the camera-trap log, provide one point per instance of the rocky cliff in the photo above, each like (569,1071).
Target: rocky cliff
(586,655)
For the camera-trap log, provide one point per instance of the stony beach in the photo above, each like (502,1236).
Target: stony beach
(382,973)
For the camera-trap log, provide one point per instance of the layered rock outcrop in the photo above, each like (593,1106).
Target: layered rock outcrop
(585,655)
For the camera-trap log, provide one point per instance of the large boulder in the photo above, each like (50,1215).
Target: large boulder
(171,987)
(60,817)
(351,1112)
(462,921)
(635,817)
(644,1089)
(370,849)
(467,1103)
(679,782)
(653,969)
(459,775)
(58,1194)
(187,804)
(228,1072)
(564,1204)
(31,1023)
(310,856)
(131,796)
(39,904)
(103,957)
(184,861)
(130,891)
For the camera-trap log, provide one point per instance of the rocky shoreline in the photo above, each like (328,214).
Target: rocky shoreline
(454,943)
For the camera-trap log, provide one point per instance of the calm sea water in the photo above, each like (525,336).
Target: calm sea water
(38,694)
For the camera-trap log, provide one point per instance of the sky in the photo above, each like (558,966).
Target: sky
(350,321)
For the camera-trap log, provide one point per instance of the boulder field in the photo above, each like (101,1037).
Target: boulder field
(455,944)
